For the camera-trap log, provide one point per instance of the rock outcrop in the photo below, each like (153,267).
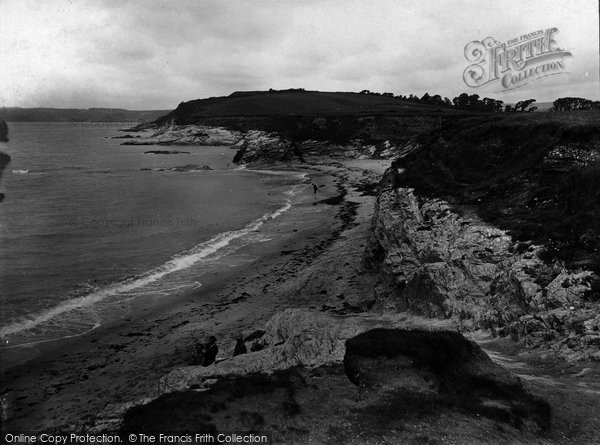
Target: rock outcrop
(440,264)
(293,337)
(170,134)
(258,146)
(309,338)
(322,378)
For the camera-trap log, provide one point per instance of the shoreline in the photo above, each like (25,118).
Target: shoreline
(72,380)
(222,244)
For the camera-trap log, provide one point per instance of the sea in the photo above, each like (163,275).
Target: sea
(89,227)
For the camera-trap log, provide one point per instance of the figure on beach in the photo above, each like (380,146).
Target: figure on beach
(206,351)
(240,346)
(3,132)
(315,189)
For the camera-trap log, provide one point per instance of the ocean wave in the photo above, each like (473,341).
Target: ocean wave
(64,337)
(181,261)
(295,174)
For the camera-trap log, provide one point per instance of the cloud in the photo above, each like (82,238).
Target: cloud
(126,53)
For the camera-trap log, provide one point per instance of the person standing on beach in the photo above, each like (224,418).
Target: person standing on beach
(240,346)
(211,352)
(206,351)
(315,188)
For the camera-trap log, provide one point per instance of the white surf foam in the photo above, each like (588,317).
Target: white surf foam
(294,174)
(180,262)
(37,342)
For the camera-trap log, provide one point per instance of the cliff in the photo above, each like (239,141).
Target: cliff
(535,176)
(439,264)
(494,223)
(299,115)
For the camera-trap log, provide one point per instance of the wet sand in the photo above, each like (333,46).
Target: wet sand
(312,260)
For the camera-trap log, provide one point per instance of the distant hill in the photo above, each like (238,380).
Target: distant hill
(78,115)
(296,102)
(300,115)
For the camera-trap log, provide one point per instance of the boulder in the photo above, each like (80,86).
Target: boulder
(422,359)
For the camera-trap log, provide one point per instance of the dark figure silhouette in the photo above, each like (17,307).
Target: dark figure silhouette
(3,132)
(206,351)
(315,188)
(240,347)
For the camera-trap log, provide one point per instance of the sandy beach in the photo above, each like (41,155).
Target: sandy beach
(313,262)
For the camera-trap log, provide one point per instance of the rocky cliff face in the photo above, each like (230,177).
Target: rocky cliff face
(258,146)
(438,263)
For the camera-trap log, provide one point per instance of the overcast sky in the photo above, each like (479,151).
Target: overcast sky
(155,54)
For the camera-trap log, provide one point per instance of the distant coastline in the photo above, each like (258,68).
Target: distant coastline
(16,114)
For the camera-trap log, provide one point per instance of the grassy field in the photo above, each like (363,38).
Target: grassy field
(284,103)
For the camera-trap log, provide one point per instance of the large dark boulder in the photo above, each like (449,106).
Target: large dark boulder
(443,366)
(372,358)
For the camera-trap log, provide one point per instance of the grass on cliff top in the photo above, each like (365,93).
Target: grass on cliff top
(500,165)
(299,103)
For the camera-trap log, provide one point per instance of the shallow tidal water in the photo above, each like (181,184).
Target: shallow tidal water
(89,226)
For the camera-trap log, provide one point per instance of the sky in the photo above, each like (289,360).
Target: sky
(155,54)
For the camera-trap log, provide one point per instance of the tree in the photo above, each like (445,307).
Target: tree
(488,103)
(436,100)
(462,101)
(573,103)
(523,104)
(474,103)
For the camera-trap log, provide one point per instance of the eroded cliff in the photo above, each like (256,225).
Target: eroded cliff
(512,247)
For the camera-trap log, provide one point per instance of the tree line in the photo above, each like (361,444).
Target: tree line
(464,101)
(473,102)
(574,103)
